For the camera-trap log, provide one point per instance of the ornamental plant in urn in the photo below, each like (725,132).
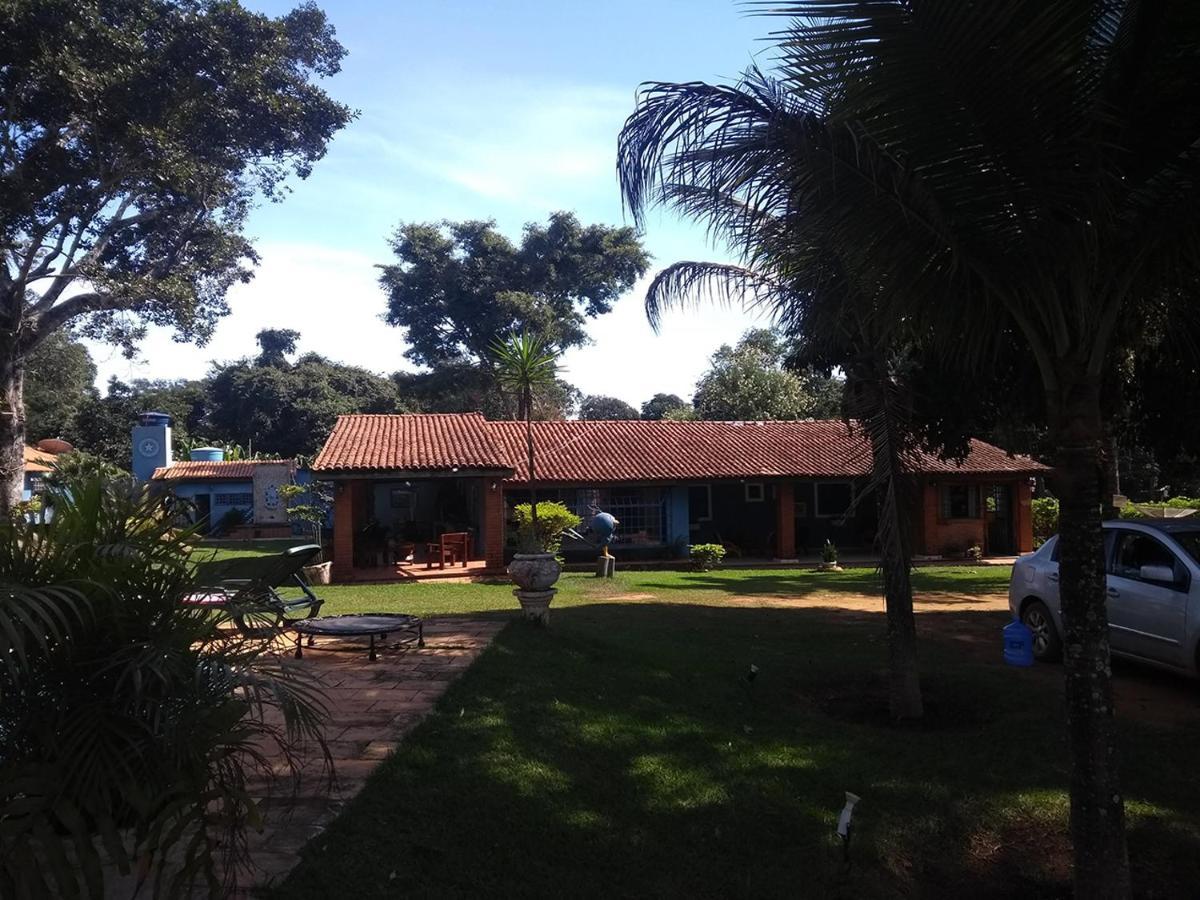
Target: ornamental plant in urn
(525,365)
(535,568)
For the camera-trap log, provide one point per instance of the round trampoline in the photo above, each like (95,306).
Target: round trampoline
(407,629)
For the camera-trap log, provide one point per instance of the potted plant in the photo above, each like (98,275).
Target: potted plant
(829,557)
(525,365)
(314,513)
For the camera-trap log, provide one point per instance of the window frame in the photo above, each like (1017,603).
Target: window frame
(762,491)
(844,514)
(974,498)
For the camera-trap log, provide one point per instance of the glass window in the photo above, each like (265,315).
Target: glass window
(1135,550)
(834,498)
(700,502)
(755,492)
(1190,541)
(960,501)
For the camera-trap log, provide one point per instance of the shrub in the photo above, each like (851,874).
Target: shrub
(974,552)
(1045,519)
(128,722)
(230,520)
(553,520)
(829,553)
(706,556)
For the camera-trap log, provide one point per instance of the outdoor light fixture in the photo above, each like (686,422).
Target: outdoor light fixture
(843,827)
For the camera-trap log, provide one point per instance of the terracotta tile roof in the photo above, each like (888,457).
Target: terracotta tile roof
(38,460)
(599,452)
(411,443)
(626,451)
(194,470)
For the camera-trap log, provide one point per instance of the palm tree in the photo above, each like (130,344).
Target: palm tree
(1031,165)
(525,365)
(131,725)
(721,155)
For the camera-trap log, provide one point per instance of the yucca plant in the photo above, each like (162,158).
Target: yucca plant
(525,365)
(130,725)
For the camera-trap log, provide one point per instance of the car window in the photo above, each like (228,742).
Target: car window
(1134,550)
(1190,541)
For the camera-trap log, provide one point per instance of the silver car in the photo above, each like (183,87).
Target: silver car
(1153,593)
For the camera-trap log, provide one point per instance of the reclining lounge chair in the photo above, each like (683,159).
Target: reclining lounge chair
(248,589)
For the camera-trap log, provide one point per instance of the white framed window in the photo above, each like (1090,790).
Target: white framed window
(755,492)
(833,499)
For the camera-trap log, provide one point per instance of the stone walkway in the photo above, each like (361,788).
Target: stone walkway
(372,705)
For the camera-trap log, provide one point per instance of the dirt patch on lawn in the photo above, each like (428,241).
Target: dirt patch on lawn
(973,622)
(931,601)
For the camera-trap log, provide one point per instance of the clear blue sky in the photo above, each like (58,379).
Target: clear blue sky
(471,109)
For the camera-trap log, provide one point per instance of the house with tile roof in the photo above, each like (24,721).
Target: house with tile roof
(215,489)
(771,490)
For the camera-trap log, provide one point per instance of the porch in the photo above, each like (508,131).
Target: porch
(396,526)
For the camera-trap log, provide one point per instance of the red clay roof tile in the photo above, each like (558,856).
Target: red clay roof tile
(416,443)
(626,451)
(196,470)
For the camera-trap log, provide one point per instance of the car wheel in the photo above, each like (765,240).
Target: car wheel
(1047,645)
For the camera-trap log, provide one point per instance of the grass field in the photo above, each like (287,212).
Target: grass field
(624,752)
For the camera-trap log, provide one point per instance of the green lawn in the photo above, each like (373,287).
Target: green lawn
(432,598)
(623,752)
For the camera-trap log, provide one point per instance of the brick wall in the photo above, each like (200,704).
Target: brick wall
(349,507)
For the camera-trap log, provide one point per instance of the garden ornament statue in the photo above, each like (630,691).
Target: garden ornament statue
(603,526)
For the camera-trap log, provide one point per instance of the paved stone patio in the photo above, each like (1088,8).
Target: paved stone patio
(372,705)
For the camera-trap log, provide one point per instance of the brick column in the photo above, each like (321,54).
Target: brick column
(785,520)
(343,529)
(930,519)
(493,523)
(1023,515)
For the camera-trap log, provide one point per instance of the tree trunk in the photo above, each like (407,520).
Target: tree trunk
(879,416)
(12,428)
(1097,808)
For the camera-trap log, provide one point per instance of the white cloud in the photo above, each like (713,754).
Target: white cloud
(330,296)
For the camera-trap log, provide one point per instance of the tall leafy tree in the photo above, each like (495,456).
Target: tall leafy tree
(134,137)
(102,426)
(748,382)
(283,409)
(1036,168)
(276,345)
(456,285)
(466,387)
(598,407)
(59,379)
(660,404)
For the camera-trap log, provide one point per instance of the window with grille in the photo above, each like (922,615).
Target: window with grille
(640,511)
(233,499)
(960,501)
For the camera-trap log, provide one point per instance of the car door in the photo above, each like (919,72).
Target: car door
(1147,597)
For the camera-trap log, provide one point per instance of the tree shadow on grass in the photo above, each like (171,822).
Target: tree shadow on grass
(626,751)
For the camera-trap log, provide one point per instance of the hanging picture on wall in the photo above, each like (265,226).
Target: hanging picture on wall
(402,503)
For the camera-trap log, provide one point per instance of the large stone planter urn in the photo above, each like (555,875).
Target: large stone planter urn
(534,575)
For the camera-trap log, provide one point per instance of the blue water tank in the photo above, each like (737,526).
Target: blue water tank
(1018,644)
(207,454)
(155,418)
